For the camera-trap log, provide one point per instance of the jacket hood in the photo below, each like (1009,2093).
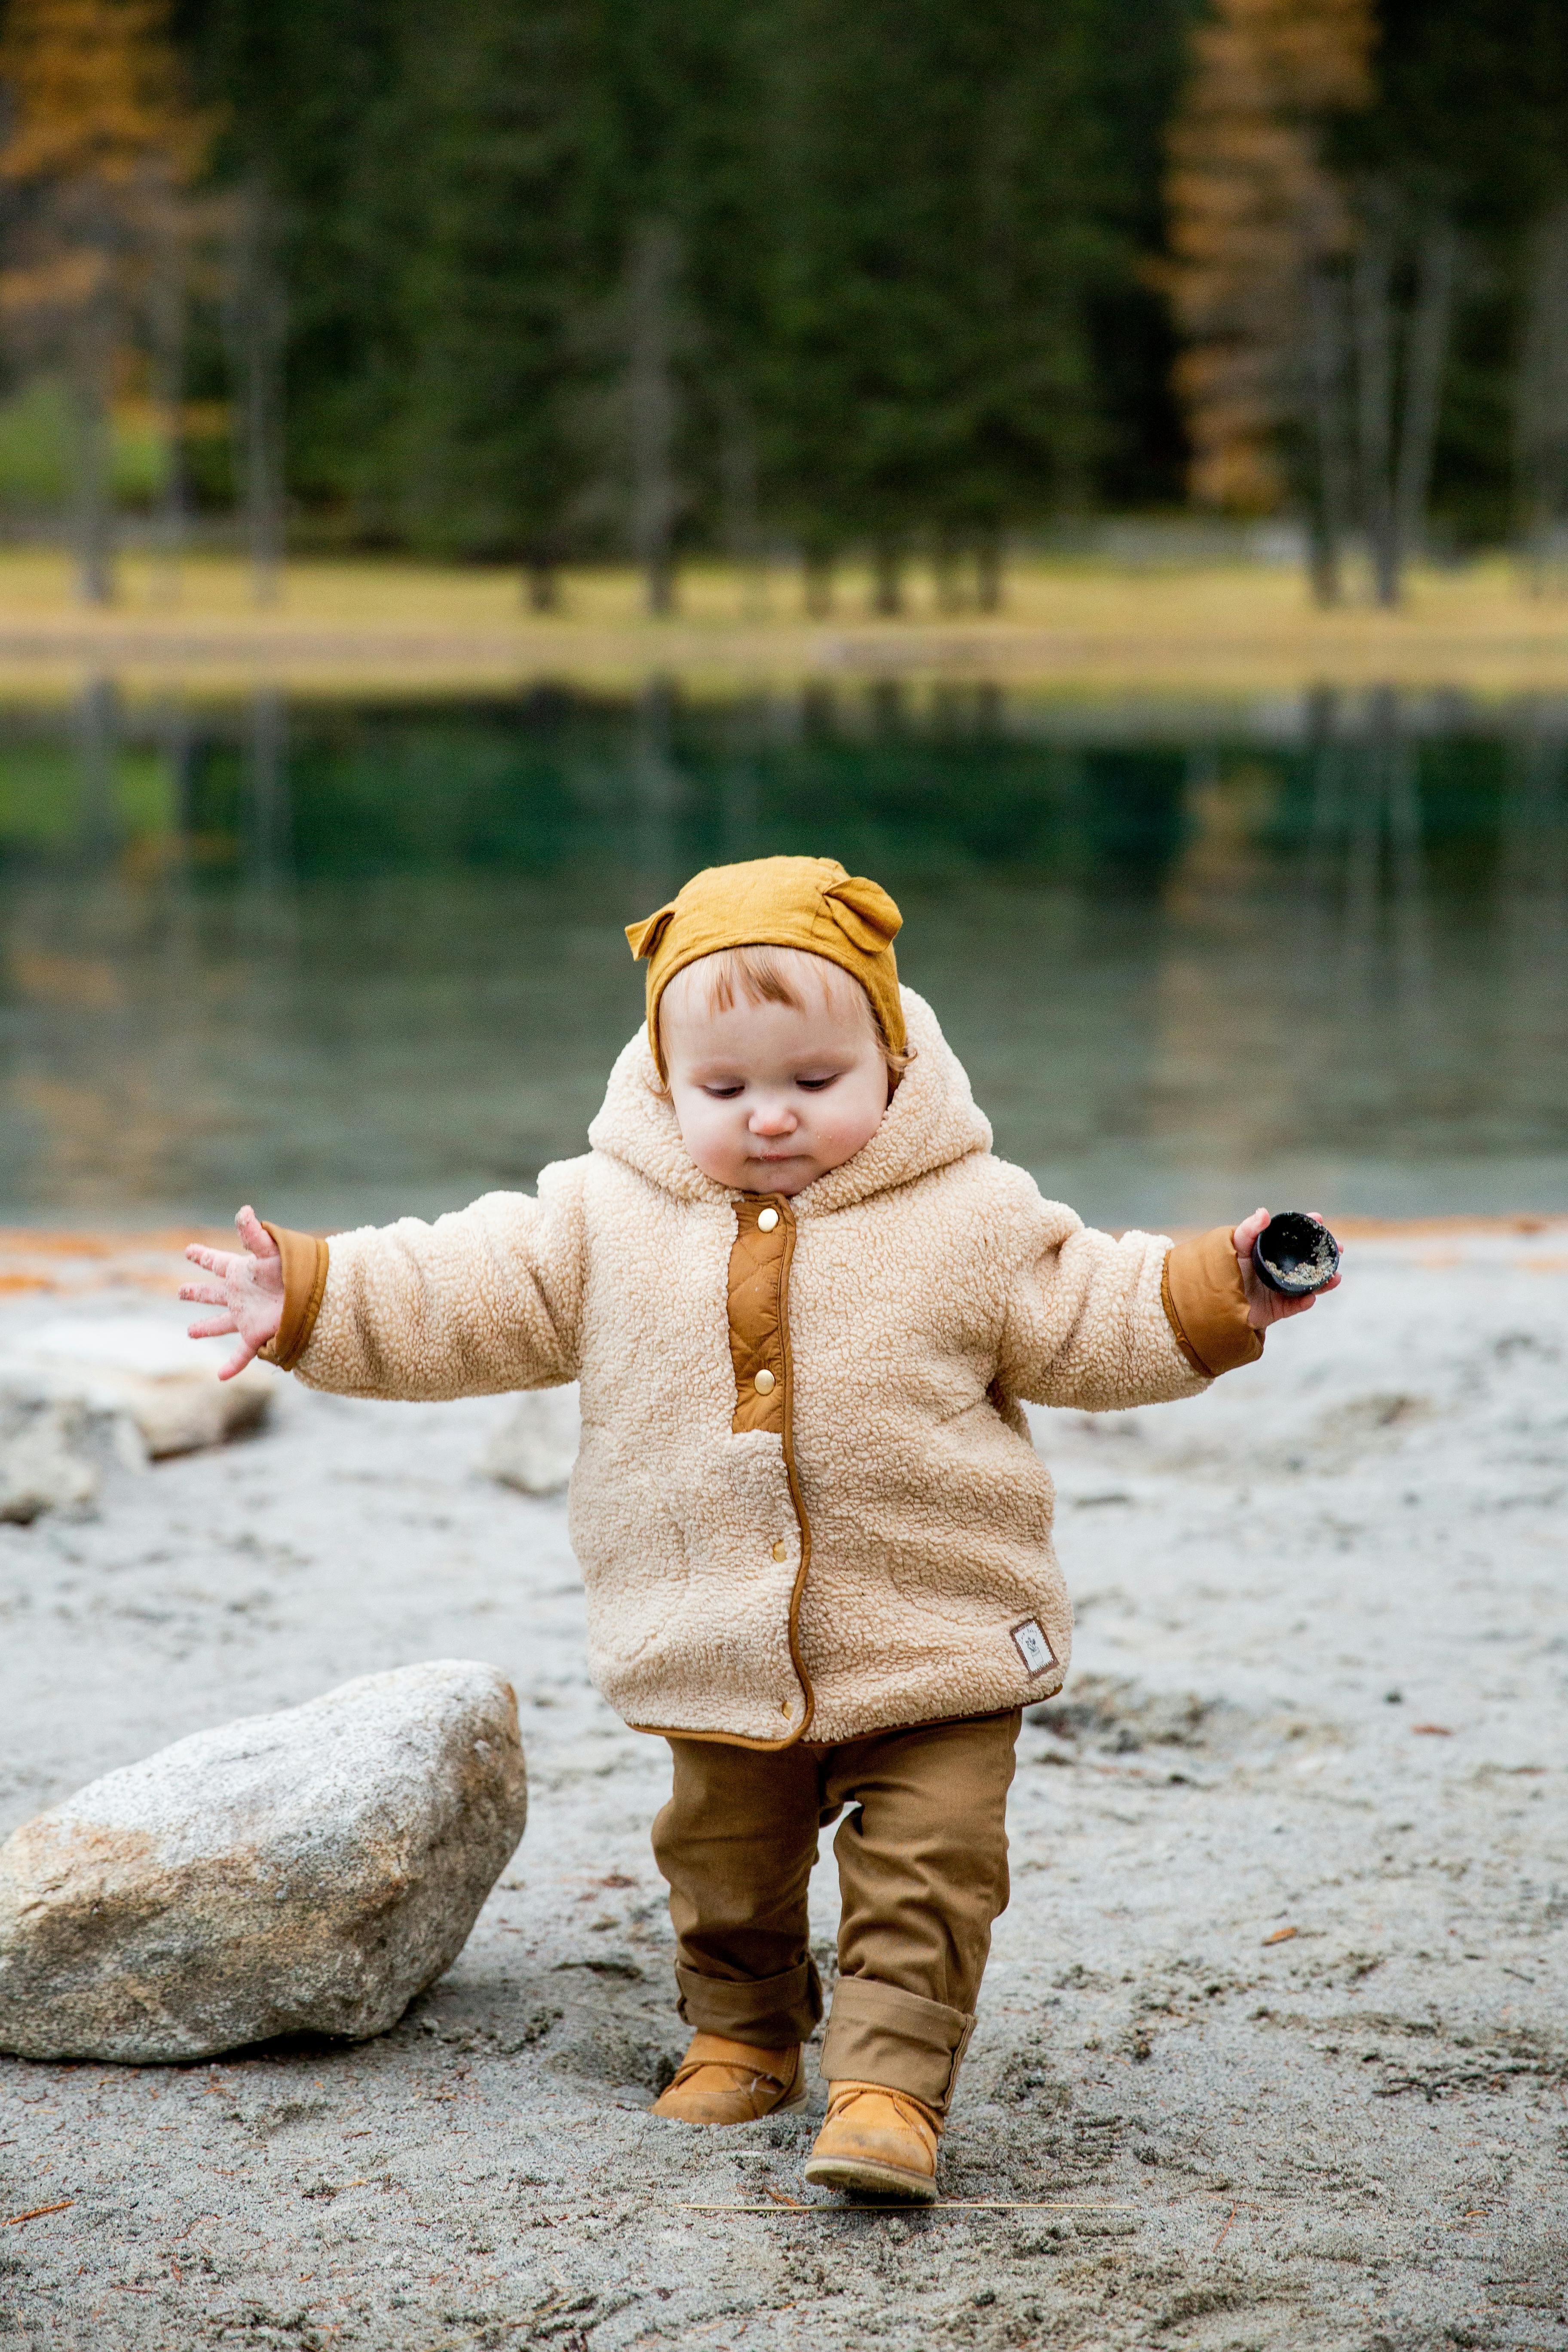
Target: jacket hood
(930,1121)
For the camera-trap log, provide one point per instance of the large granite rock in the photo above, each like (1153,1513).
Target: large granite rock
(144,1369)
(535,1446)
(311,1869)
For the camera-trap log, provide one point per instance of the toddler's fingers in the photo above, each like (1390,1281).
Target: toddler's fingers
(1300,1305)
(1246,1233)
(237,1361)
(254,1233)
(203,1294)
(218,1328)
(215,1261)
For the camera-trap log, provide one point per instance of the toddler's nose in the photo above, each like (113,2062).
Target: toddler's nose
(772,1118)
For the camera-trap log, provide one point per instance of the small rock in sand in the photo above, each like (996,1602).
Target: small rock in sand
(143,1368)
(53,1450)
(535,1446)
(309,1870)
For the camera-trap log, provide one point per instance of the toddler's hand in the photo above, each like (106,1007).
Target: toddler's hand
(249,1287)
(1265,1306)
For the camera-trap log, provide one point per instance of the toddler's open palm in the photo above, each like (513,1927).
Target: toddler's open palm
(248,1288)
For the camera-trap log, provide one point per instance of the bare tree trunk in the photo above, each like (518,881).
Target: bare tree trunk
(178,740)
(658,789)
(1426,360)
(946,559)
(743,529)
(1371,297)
(741,795)
(95,450)
(98,750)
(654,264)
(888,700)
(1372,388)
(1356,952)
(1541,417)
(1331,499)
(542,580)
(259,325)
(271,818)
(168,306)
(1407,873)
(887,569)
(988,561)
(1531,904)
(819,567)
(1327,767)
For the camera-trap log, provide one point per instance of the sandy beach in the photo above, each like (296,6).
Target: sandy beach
(1271,2051)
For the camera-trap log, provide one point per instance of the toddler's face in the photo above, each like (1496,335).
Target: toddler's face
(770,1096)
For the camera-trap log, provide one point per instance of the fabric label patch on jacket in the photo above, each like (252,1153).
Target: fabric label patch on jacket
(1033,1647)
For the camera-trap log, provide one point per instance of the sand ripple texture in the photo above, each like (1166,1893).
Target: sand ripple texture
(1273,2051)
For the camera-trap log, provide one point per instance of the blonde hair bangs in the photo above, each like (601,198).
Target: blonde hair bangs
(779,975)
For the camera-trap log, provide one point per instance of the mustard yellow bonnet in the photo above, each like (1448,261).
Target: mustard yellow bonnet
(777,902)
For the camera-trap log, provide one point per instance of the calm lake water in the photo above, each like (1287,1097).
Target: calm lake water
(348,961)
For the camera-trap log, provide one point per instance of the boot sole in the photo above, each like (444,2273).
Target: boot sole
(871,2178)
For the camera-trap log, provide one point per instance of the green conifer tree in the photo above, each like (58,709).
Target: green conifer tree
(492,443)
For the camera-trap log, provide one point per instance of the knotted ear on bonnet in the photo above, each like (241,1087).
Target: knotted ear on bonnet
(777,902)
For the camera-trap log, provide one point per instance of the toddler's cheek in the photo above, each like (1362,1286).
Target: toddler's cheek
(850,1131)
(716,1143)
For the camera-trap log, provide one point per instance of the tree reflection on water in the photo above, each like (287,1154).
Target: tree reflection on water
(352,958)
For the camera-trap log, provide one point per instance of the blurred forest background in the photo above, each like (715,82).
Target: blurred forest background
(548,281)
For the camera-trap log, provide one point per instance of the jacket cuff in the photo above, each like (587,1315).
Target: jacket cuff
(305,1259)
(1206,1304)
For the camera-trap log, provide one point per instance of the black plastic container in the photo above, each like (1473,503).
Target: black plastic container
(1296,1255)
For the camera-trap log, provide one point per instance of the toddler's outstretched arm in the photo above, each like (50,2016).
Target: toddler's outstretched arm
(250,1289)
(1097,1324)
(485,1299)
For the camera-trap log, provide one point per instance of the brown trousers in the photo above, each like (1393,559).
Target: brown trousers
(922,1872)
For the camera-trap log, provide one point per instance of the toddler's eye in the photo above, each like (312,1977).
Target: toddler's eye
(723,1094)
(816,1085)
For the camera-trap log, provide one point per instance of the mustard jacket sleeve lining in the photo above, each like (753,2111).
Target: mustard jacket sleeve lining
(1206,1304)
(305,1261)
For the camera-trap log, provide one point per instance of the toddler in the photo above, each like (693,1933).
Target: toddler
(803,1301)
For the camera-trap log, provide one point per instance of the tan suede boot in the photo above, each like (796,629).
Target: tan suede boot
(722,2082)
(878,2141)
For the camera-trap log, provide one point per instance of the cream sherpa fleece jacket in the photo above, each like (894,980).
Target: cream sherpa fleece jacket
(881,1554)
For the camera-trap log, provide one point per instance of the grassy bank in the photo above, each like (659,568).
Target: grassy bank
(382,627)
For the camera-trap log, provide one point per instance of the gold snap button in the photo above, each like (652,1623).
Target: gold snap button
(765,1383)
(767,1221)
(781,1549)
(783,1706)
